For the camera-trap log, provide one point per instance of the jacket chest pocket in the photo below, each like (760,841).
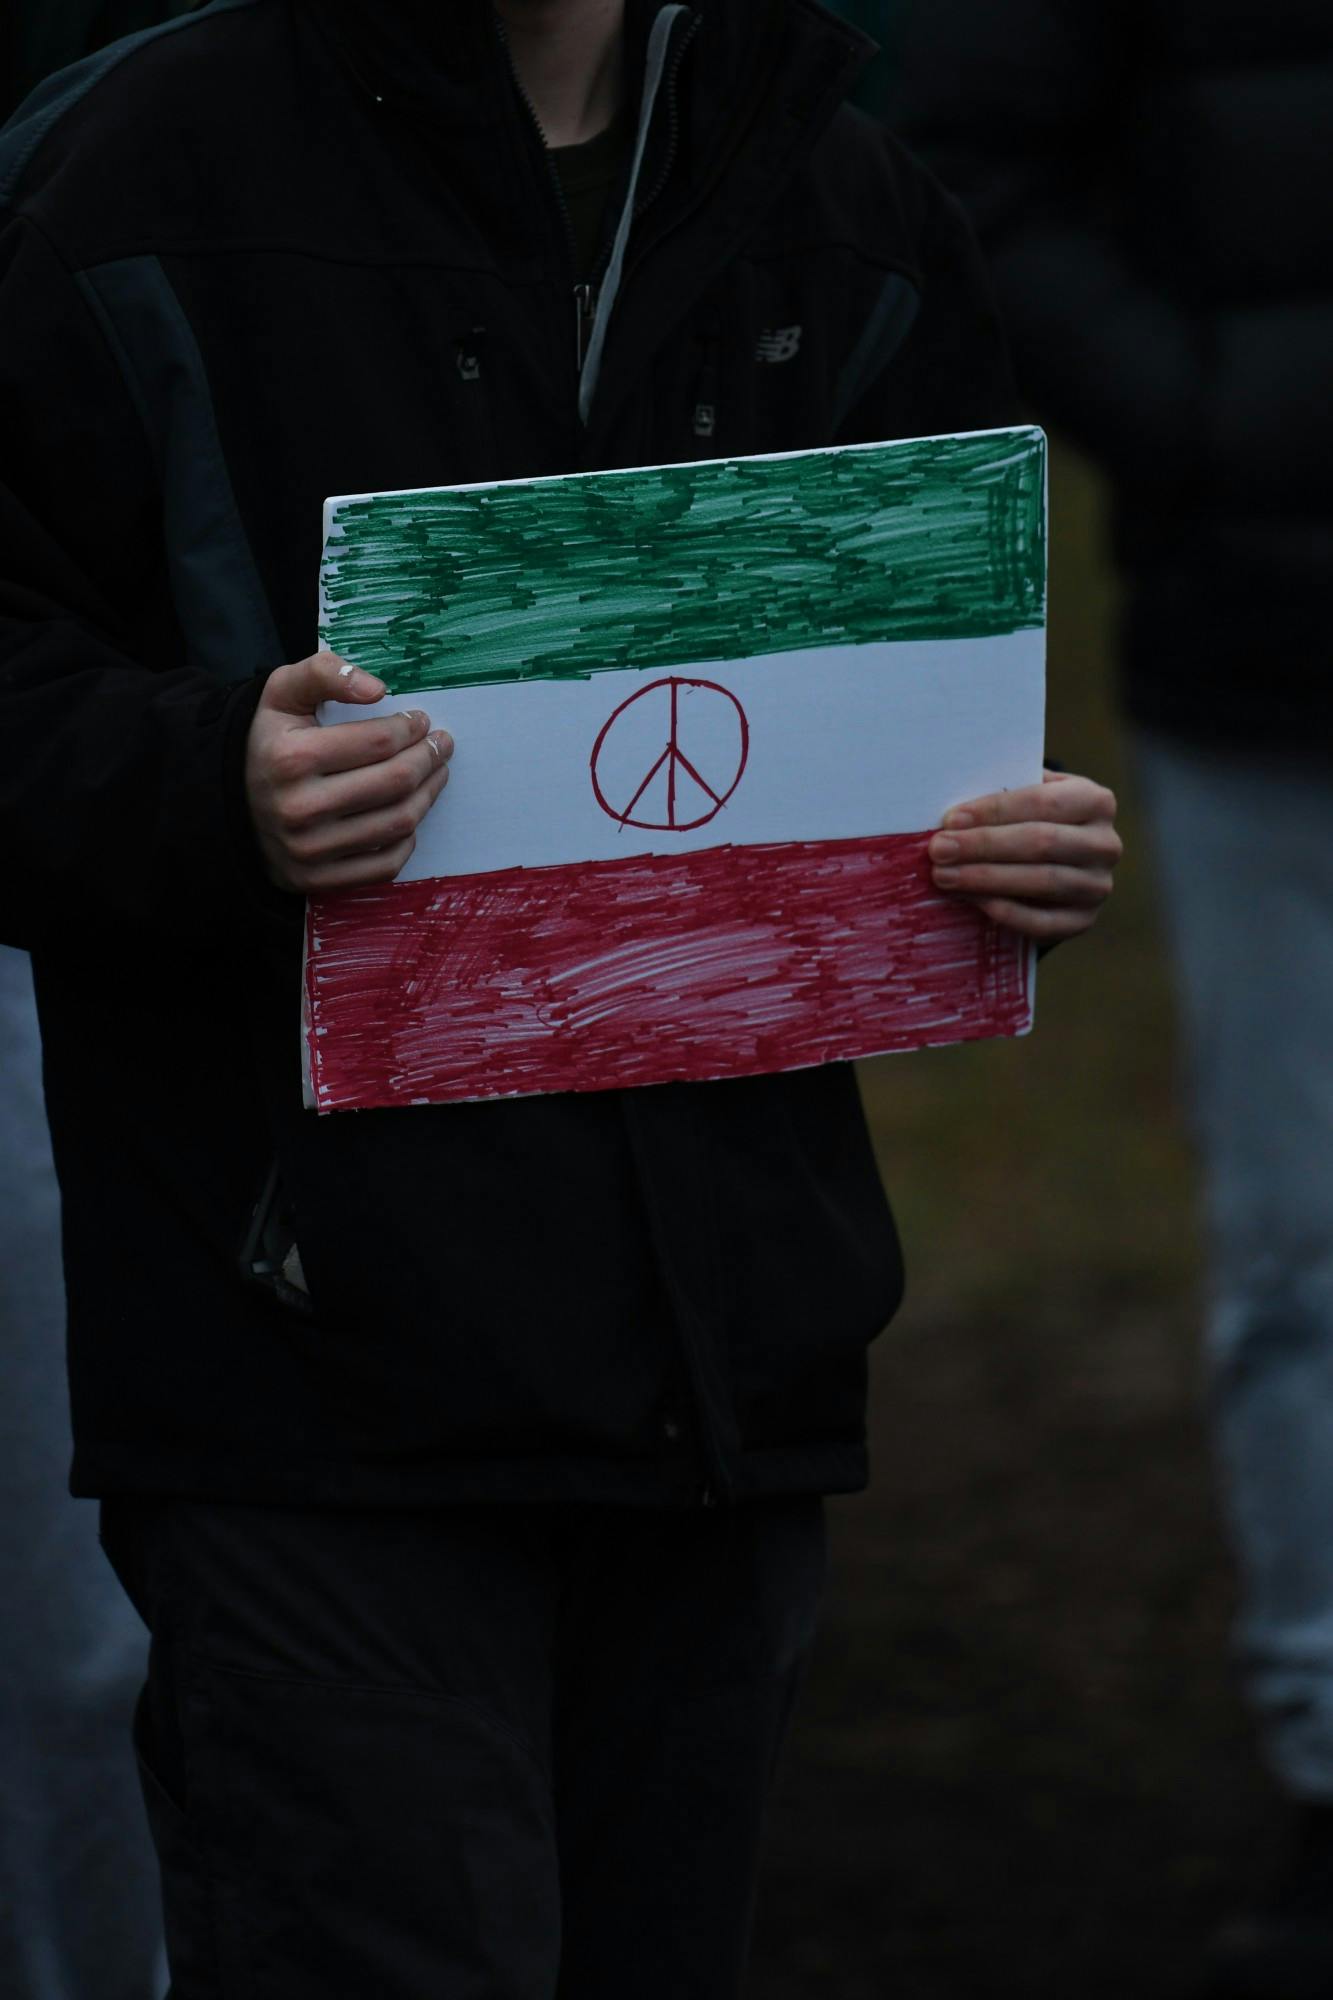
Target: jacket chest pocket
(780,355)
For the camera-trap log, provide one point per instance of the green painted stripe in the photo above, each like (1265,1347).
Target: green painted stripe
(544,579)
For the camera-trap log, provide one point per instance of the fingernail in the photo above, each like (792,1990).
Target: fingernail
(944,849)
(959,819)
(443,742)
(946,877)
(419,716)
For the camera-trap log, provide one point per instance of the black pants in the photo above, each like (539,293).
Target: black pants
(467,1754)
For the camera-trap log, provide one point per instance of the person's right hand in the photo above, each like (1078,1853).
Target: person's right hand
(338,807)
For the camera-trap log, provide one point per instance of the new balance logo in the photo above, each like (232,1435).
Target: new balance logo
(778,343)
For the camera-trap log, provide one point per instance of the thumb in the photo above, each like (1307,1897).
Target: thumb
(299,689)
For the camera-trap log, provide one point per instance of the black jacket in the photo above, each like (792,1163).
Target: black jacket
(38,36)
(242,261)
(1154,187)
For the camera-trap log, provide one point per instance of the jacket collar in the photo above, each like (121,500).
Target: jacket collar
(757,83)
(449,57)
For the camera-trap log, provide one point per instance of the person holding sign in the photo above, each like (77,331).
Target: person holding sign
(465,1460)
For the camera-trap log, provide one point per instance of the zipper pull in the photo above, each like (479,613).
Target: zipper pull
(585,312)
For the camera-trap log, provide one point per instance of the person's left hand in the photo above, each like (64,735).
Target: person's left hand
(1038,859)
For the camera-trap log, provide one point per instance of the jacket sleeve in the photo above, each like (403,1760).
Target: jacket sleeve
(121,785)
(1016,107)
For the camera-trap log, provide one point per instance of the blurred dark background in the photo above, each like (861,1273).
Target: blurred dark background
(1021,1767)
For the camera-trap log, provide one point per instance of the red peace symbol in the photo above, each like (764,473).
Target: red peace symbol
(683,787)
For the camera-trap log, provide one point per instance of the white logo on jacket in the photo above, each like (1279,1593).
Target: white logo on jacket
(778,343)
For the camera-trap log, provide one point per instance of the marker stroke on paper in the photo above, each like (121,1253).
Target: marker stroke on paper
(713,863)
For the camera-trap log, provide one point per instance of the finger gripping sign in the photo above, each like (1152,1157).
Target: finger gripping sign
(707,718)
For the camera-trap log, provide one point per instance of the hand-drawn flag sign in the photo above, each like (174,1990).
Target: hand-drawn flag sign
(707,718)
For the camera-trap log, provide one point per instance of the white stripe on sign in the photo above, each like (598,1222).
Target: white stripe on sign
(838,743)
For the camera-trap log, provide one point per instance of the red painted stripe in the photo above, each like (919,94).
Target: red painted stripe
(726,962)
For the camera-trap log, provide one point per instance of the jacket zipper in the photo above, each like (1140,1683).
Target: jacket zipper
(683,41)
(585,295)
(585,312)
(645,201)
(587,291)
(718,1482)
